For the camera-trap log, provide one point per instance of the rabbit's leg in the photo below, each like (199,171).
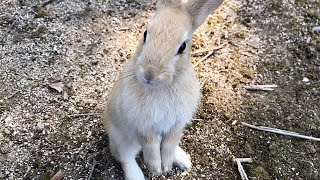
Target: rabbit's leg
(150,143)
(182,159)
(125,150)
(169,144)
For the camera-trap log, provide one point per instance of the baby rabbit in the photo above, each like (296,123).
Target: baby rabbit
(157,92)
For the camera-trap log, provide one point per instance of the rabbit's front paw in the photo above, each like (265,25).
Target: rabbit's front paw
(154,167)
(132,171)
(167,164)
(182,159)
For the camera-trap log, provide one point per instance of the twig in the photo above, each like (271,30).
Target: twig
(280,131)
(13,94)
(209,54)
(9,29)
(58,176)
(244,160)
(246,54)
(26,174)
(213,49)
(240,167)
(48,2)
(92,169)
(87,114)
(261,87)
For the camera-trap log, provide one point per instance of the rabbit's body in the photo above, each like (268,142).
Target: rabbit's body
(153,114)
(157,93)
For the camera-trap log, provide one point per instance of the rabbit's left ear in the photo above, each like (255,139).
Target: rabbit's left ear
(199,10)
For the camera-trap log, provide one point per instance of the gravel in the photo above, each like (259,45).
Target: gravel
(62,59)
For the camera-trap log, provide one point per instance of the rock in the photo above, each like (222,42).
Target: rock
(273,149)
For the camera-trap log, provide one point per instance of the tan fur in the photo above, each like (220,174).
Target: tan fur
(157,92)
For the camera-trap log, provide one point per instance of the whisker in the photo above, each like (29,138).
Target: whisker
(177,95)
(126,76)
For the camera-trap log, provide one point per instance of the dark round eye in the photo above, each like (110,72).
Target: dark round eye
(144,36)
(182,48)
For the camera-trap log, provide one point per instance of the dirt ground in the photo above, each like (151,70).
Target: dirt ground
(61,59)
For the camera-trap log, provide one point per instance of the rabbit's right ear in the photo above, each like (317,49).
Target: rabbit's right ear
(199,10)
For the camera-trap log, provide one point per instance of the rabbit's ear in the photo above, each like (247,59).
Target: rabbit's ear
(199,10)
(164,3)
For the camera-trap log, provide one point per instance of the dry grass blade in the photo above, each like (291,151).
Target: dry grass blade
(280,131)
(261,87)
(209,54)
(86,114)
(92,169)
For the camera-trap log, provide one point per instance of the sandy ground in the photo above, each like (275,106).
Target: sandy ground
(62,59)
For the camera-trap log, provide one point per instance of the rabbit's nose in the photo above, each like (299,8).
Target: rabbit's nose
(148,76)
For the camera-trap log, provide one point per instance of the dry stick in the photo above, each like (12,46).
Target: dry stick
(28,170)
(87,114)
(213,49)
(244,160)
(13,94)
(261,87)
(209,54)
(92,169)
(280,131)
(240,167)
(241,170)
(48,2)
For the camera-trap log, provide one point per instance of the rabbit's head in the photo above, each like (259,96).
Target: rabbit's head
(164,52)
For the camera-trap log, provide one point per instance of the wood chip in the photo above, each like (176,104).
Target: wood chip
(58,176)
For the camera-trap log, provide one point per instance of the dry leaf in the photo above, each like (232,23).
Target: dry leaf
(57,86)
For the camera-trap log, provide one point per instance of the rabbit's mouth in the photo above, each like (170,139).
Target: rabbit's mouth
(148,80)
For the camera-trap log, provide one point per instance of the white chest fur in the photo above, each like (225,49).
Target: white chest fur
(159,110)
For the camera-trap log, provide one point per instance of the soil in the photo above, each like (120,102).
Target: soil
(60,59)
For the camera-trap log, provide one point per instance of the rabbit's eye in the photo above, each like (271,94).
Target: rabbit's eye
(144,36)
(182,48)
